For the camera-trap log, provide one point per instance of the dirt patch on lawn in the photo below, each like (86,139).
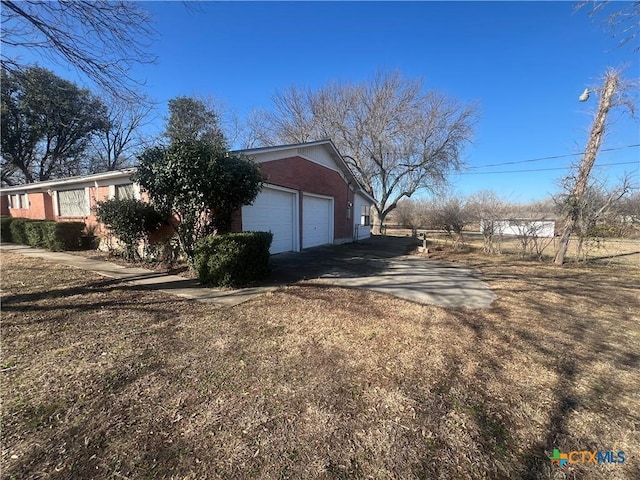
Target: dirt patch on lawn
(103,380)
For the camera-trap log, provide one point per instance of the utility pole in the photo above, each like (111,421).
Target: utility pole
(575,200)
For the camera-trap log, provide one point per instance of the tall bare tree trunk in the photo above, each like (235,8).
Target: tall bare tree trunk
(595,139)
(377,222)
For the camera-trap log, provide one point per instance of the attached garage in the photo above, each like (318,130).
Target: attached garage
(309,198)
(317,221)
(274,210)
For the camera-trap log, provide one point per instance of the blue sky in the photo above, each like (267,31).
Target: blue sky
(524,63)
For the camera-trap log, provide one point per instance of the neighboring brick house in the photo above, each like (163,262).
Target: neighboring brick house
(310,197)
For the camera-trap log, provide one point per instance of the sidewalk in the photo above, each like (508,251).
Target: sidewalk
(170,284)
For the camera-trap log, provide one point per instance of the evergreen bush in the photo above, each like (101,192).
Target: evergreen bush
(233,259)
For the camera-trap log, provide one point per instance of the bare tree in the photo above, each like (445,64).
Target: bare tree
(624,22)
(575,201)
(601,207)
(396,138)
(405,213)
(532,235)
(629,215)
(452,214)
(488,209)
(114,146)
(412,214)
(102,39)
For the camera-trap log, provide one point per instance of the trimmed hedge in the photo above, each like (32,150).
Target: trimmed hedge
(17,228)
(65,235)
(44,233)
(35,232)
(5,229)
(233,259)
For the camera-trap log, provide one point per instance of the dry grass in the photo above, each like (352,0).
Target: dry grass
(605,251)
(101,380)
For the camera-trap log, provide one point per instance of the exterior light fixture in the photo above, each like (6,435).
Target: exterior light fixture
(585,95)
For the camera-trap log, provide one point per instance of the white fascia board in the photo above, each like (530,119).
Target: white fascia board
(70,182)
(278,148)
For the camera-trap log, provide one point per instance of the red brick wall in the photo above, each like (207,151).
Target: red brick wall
(40,207)
(306,176)
(96,195)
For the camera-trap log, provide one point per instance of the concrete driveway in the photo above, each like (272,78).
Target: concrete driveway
(381,264)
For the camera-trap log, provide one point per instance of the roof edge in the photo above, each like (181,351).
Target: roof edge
(70,180)
(335,153)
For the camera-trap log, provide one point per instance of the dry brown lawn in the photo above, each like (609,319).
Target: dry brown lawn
(602,251)
(103,380)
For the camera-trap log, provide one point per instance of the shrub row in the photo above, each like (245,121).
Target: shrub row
(234,259)
(43,233)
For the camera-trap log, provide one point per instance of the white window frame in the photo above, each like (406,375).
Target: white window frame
(365,219)
(18,201)
(136,190)
(14,201)
(133,190)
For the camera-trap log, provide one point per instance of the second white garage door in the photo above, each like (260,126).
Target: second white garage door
(317,218)
(273,211)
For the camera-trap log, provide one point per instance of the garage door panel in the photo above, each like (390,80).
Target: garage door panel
(272,211)
(317,217)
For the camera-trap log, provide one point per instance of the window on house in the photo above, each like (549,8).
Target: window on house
(73,203)
(125,192)
(19,201)
(365,215)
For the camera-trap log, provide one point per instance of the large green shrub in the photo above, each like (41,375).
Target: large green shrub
(17,229)
(234,259)
(63,235)
(35,232)
(131,221)
(201,184)
(5,229)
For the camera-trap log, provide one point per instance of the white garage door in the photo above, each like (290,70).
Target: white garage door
(317,217)
(273,211)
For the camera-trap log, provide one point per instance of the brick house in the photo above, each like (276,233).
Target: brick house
(310,197)
(67,199)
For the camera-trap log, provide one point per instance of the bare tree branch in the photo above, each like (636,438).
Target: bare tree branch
(114,146)
(397,138)
(623,23)
(102,39)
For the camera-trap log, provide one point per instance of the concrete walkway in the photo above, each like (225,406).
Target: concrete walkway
(171,284)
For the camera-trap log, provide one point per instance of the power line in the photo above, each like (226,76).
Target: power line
(543,169)
(552,157)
